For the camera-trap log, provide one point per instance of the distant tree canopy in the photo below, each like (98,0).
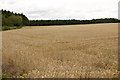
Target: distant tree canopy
(70,22)
(13,19)
(16,19)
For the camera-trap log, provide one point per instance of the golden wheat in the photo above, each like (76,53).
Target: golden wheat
(73,51)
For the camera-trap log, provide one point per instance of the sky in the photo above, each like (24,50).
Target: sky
(63,9)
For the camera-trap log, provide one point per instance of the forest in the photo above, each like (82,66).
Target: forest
(70,22)
(11,20)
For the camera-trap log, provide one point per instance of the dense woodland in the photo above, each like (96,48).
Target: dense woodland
(70,22)
(16,19)
(13,19)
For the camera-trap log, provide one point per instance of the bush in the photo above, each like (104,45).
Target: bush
(5,28)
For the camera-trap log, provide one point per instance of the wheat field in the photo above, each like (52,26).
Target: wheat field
(70,51)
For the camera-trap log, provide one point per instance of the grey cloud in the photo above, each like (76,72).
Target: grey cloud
(54,14)
(45,13)
(33,16)
(41,9)
(12,2)
(38,11)
(97,10)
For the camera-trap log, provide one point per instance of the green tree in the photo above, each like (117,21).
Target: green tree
(14,21)
(3,20)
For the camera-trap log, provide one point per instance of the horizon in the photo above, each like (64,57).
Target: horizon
(63,9)
(58,19)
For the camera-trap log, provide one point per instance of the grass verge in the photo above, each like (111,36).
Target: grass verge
(4,28)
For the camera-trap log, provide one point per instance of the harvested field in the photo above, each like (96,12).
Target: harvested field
(71,51)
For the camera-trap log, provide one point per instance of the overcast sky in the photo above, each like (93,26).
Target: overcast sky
(63,9)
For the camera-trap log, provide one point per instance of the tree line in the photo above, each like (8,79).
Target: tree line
(13,19)
(17,19)
(70,22)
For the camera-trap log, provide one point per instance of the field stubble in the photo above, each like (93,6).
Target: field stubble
(74,51)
